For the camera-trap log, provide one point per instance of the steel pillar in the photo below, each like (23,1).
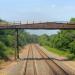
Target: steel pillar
(17,44)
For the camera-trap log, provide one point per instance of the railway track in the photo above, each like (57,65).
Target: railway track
(30,62)
(35,63)
(26,63)
(57,70)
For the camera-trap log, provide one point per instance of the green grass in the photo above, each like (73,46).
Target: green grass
(57,51)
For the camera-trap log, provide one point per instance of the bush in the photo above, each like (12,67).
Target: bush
(71,56)
(3,48)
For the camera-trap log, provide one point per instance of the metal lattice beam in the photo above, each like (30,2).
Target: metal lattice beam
(47,25)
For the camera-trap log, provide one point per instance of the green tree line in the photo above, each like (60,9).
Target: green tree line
(64,40)
(8,41)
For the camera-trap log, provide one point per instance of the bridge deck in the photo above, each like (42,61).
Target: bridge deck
(48,25)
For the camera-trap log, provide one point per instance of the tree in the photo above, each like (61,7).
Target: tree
(43,39)
(72,47)
(72,20)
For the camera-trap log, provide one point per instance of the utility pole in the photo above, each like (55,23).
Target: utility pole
(17,42)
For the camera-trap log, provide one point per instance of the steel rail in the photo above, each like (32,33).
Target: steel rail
(35,72)
(26,62)
(43,55)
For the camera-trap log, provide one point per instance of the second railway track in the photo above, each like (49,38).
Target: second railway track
(57,70)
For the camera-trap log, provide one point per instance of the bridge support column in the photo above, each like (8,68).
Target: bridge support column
(17,44)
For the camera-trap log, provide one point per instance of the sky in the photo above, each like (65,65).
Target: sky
(37,10)
(41,32)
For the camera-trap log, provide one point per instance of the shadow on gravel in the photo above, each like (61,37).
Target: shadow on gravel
(44,59)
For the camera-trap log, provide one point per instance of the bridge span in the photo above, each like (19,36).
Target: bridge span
(45,25)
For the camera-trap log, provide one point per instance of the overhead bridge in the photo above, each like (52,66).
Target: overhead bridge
(46,25)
